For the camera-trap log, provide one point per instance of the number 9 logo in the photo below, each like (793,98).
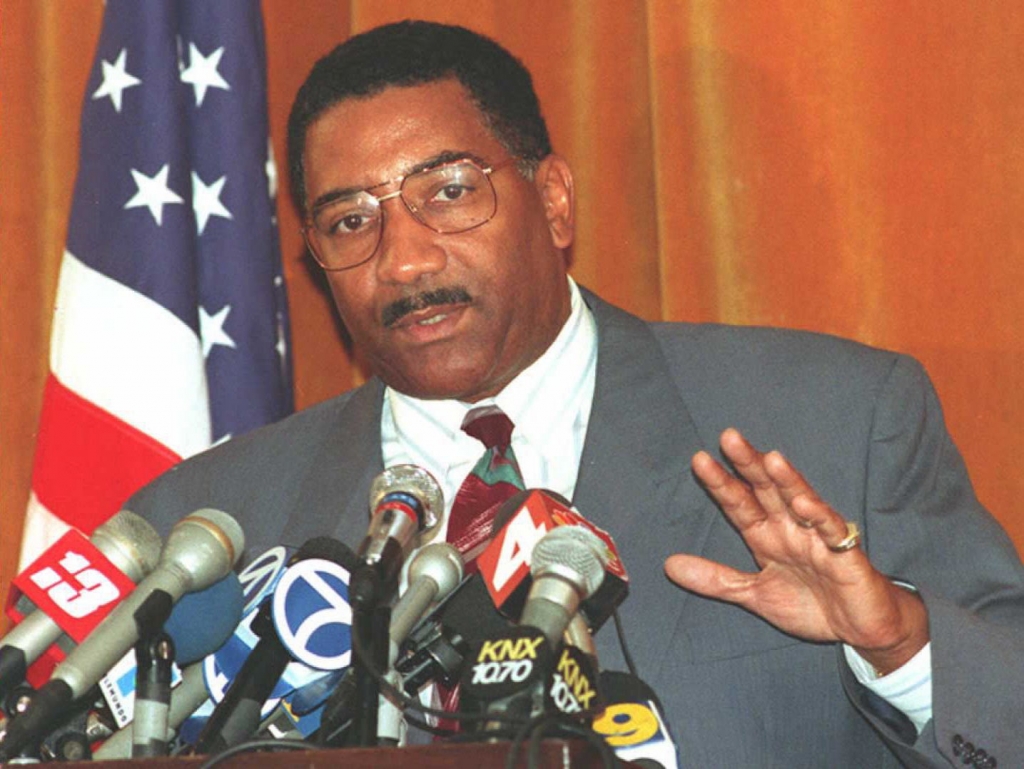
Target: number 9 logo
(626,724)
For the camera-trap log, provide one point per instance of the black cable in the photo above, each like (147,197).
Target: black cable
(360,653)
(560,725)
(251,746)
(621,633)
(512,757)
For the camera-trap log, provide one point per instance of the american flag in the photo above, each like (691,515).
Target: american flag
(171,329)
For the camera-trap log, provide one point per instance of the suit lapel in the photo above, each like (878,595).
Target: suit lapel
(635,479)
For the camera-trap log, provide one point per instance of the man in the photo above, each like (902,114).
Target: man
(882,607)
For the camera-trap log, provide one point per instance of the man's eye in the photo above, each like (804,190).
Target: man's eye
(341,223)
(349,223)
(450,192)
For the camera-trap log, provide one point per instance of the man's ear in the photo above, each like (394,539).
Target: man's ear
(557,194)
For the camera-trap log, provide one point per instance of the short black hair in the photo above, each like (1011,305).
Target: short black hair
(410,53)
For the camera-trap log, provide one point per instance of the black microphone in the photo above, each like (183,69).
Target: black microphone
(237,716)
(405,501)
(632,722)
(200,550)
(129,542)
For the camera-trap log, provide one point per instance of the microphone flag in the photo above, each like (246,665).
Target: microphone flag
(171,328)
(74,584)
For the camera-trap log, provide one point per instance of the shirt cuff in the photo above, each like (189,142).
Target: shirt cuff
(908,688)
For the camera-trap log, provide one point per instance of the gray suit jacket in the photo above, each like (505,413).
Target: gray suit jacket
(863,425)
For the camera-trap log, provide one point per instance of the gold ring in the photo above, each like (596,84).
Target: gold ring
(850,541)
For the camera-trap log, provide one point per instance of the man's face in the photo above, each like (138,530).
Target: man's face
(499,291)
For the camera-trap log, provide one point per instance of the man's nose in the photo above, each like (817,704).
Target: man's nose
(408,249)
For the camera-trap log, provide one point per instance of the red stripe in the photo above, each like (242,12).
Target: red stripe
(88,462)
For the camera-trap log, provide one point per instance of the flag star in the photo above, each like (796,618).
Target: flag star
(211,329)
(271,168)
(206,201)
(282,344)
(153,192)
(201,73)
(115,79)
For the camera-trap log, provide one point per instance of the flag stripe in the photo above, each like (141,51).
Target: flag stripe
(42,528)
(127,354)
(89,461)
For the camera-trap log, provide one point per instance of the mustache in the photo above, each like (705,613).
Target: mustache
(398,309)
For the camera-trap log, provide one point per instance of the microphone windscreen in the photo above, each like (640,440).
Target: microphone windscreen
(633,722)
(328,549)
(202,621)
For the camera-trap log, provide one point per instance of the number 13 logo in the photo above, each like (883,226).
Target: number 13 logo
(93,591)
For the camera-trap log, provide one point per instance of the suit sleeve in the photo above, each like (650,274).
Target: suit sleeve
(924,525)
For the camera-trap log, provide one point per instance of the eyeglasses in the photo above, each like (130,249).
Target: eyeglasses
(450,198)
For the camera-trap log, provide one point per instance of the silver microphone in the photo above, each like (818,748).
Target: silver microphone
(568,566)
(129,542)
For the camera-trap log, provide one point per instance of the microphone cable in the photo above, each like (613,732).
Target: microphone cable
(620,632)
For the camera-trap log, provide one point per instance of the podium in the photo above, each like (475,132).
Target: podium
(554,753)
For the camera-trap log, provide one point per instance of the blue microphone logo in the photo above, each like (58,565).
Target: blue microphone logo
(312,614)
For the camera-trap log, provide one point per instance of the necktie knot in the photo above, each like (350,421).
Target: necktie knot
(489,425)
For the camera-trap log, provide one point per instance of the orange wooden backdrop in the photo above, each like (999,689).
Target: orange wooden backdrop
(844,167)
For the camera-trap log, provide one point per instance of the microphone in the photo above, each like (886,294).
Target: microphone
(436,648)
(203,620)
(405,501)
(567,566)
(287,624)
(186,698)
(506,678)
(434,572)
(574,682)
(505,564)
(200,550)
(126,544)
(632,722)
(219,607)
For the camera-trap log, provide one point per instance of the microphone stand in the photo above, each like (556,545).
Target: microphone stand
(371,640)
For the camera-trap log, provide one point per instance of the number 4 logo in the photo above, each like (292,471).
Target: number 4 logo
(518,540)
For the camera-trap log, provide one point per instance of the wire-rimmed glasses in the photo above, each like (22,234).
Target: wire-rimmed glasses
(449,198)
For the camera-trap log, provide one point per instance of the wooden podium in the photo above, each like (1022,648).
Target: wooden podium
(554,753)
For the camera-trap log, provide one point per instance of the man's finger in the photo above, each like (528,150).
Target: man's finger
(750,465)
(806,507)
(709,578)
(734,497)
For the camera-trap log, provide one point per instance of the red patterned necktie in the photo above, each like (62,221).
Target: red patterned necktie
(493,479)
